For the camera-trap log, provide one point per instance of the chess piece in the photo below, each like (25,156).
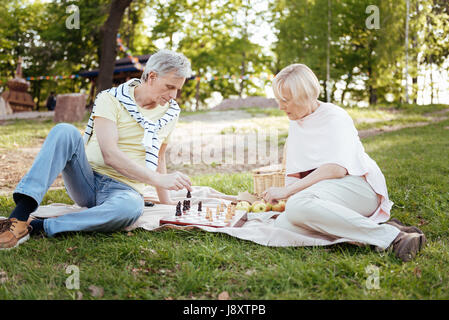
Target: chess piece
(178,209)
(200,204)
(210,215)
(188,194)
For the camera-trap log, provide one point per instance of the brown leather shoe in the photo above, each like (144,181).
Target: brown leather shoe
(408,229)
(3,223)
(407,245)
(13,232)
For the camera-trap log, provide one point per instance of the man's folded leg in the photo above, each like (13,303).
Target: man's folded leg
(119,210)
(62,151)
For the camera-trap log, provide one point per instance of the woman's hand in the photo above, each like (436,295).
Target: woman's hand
(275,193)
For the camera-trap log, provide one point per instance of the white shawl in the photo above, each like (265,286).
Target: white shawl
(328,135)
(150,139)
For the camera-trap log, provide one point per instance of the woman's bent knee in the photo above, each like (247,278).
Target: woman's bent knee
(298,210)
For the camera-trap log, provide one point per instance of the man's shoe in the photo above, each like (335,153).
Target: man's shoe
(13,233)
(407,245)
(3,223)
(408,229)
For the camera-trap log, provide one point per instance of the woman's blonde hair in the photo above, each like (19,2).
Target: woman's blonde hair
(300,81)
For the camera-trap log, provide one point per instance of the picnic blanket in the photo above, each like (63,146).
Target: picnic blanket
(259,227)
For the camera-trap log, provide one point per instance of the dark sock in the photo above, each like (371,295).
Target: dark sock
(38,225)
(25,205)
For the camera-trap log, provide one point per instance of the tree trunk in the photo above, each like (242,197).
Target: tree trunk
(242,72)
(415,89)
(109,43)
(431,83)
(170,43)
(406,51)
(372,95)
(197,93)
(328,68)
(39,86)
(325,89)
(415,45)
(372,91)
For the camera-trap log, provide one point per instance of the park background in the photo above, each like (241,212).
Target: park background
(236,46)
(391,78)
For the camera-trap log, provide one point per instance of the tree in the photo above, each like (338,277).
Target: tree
(170,18)
(436,34)
(357,54)
(109,43)
(133,28)
(304,36)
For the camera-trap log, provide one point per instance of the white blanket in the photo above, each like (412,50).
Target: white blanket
(259,228)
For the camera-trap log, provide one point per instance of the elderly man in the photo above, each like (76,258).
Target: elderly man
(123,149)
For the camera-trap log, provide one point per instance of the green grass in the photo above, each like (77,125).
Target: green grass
(271,112)
(25,133)
(412,108)
(399,121)
(364,118)
(199,265)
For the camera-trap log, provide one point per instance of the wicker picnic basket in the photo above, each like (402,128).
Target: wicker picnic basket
(270,176)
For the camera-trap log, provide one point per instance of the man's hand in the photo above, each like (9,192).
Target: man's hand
(275,193)
(174,181)
(170,202)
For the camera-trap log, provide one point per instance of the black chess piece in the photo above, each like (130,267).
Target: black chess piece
(188,194)
(178,209)
(184,206)
(200,205)
(149,204)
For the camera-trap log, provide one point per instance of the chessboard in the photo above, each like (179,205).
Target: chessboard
(220,217)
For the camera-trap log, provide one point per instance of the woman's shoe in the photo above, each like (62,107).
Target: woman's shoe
(407,245)
(408,229)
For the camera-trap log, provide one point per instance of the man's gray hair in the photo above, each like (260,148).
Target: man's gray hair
(165,61)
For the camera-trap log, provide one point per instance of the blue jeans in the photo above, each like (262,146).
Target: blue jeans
(111,205)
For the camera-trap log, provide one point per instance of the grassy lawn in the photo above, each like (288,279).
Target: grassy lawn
(199,265)
(364,118)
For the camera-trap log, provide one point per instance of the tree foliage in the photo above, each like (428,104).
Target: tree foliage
(366,65)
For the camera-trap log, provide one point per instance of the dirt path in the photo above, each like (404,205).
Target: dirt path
(14,165)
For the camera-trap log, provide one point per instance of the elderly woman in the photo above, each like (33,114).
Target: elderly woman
(334,189)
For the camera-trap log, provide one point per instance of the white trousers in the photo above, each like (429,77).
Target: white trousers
(337,208)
